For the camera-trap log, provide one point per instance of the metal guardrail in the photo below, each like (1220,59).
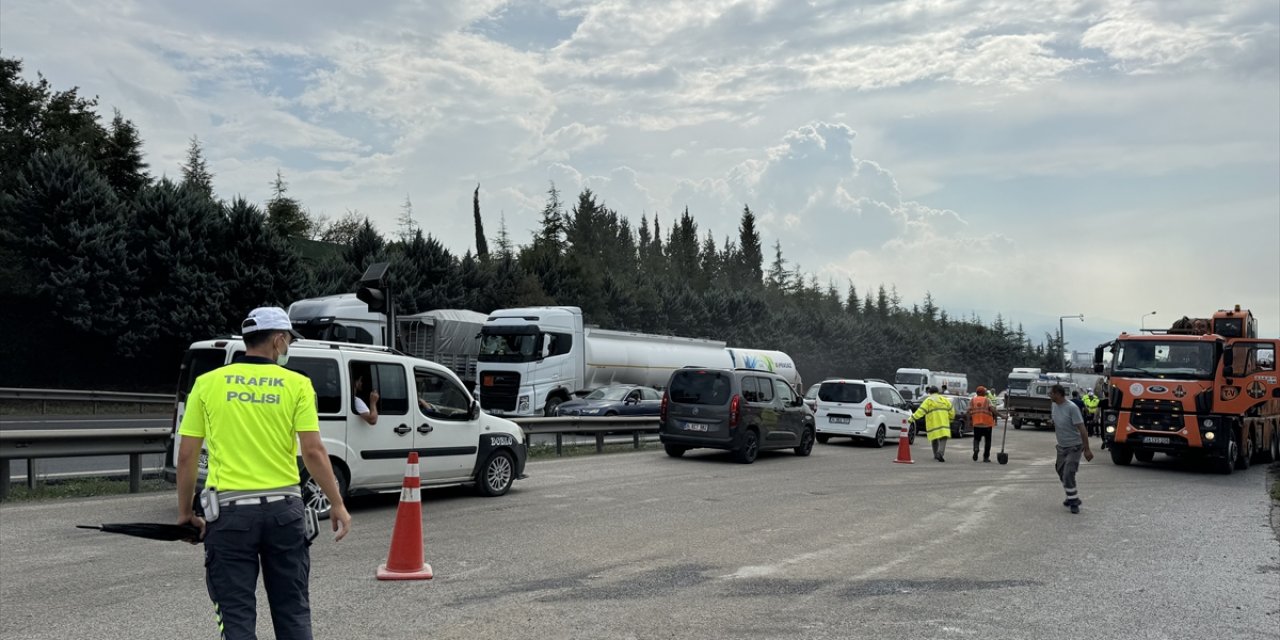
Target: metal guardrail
(93,397)
(30,444)
(599,427)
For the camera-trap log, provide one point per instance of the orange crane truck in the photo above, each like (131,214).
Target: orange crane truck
(1204,388)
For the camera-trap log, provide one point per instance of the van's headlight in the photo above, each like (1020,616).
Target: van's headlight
(524,404)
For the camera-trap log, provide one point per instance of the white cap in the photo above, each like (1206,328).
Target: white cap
(268,319)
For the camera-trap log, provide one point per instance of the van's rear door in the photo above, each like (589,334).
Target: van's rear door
(195,363)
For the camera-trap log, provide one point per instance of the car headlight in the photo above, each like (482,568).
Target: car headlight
(1111,429)
(1208,436)
(1208,423)
(524,403)
(590,412)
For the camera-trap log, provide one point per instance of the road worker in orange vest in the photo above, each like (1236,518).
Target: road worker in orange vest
(982,419)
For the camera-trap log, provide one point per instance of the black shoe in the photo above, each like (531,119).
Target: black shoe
(986,459)
(941,459)
(975,456)
(1075,508)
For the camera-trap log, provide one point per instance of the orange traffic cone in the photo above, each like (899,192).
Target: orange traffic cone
(404,562)
(904,449)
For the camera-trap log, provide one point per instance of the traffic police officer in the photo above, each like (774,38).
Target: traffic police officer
(255,417)
(938,414)
(1091,403)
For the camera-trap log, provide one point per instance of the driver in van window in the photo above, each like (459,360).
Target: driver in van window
(368,412)
(444,398)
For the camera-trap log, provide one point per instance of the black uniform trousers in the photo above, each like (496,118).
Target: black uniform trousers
(271,537)
(980,433)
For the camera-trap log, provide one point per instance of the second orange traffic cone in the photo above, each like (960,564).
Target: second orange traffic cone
(904,448)
(404,561)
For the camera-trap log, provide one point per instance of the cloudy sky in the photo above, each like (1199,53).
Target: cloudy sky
(1032,157)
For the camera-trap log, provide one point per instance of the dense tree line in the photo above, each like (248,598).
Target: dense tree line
(108,271)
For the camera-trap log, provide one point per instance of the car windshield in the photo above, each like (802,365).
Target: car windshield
(609,393)
(1172,359)
(1019,384)
(508,347)
(909,378)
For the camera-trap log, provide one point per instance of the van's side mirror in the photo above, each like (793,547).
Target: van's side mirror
(475,410)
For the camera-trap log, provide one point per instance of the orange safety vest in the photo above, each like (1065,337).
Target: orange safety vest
(981,413)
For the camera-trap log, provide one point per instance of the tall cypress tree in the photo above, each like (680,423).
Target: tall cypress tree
(482,244)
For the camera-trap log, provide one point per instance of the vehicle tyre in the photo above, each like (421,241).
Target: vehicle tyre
(1242,455)
(497,474)
(1017,423)
(746,454)
(313,496)
(611,414)
(1226,464)
(1275,443)
(806,443)
(553,403)
(911,434)
(1144,456)
(879,441)
(674,450)
(823,438)
(1121,454)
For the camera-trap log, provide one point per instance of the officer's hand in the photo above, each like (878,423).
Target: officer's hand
(341,522)
(1088,455)
(373,397)
(196,521)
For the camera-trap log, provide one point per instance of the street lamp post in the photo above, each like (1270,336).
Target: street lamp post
(1062,338)
(1142,324)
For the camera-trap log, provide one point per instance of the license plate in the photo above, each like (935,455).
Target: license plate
(693,426)
(838,420)
(1157,441)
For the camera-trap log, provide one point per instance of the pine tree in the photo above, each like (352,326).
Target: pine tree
(121,162)
(778,275)
(851,300)
(750,254)
(367,247)
(195,171)
(482,245)
(258,267)
(285,216)
(505,248)
(405,224)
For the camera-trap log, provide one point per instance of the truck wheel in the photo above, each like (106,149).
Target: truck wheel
(1226,464)
(553,403)
(823,438)
(1242,455)
(496,475)
(1017,423)
(1121,454)
(1275,443)
(674,450)
(313,496)
(806,443)
(879,441)
(1144,456)
(746,454)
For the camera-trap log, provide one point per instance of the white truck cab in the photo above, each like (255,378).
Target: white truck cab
(424,407)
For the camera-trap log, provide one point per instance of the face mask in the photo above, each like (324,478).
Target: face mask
(283,358)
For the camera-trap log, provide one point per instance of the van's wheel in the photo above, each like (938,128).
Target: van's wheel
(823,438)
(553,403)
(1144,456)
(911,434)
(806,443)
(1017,423)
(497,474)
(675,451)
(313,496)
(879,441)
(746,454)
(1120,454)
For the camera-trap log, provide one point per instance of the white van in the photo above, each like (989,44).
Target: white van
(866,410)
(423,407)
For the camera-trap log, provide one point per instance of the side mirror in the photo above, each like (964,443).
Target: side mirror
(475,410)
(1098,367)
(1228,361)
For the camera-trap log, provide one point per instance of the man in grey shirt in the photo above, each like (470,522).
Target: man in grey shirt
(1073,440)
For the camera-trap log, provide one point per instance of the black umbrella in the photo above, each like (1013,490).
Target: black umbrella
(150,530)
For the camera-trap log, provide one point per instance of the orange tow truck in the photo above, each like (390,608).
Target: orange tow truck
(1204,388)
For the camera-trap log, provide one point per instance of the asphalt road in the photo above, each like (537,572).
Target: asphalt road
(844,544)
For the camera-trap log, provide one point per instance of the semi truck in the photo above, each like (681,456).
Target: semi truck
(533,359)
(1020,380)
(450,337)
(911,383)
(1205,388)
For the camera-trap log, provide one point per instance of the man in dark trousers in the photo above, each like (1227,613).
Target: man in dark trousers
(255,417)
(982,419)
(1073,441)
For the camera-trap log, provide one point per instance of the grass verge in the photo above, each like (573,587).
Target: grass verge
(81,488)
